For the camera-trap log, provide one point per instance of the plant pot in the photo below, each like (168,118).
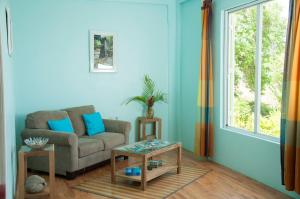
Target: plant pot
(150,113)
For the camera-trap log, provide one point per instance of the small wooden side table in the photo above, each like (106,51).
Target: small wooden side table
(142,121)
(26,152)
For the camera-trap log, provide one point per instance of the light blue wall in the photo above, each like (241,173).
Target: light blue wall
(52,61)
(190,42)
(9,107)
(52,56)
(256,158)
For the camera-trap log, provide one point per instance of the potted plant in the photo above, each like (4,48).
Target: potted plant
(149,97)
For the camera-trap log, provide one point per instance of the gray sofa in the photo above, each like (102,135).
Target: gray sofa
(75,151)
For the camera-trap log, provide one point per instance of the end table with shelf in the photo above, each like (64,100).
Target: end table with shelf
(156,127)
(26,152)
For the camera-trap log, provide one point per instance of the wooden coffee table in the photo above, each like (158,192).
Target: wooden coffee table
(146,175)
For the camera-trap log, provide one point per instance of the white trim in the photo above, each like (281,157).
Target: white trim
(252,134)
(226,72)
(230,70)
(258,57)
(247,5)
(91,39)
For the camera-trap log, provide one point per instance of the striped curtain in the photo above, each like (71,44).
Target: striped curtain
(204,133)
(290,119)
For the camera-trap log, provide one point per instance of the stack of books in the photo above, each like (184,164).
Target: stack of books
(152,164)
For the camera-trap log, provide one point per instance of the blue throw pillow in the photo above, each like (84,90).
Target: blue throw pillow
(93,123)
(63,125)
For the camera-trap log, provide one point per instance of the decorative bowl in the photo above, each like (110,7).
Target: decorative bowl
(36,142)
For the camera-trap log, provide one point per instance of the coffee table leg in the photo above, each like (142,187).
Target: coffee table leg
(179,160)
(21,176)
(52,174)
(144,174)
(113,167)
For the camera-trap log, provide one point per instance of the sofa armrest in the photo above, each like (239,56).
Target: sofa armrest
(118,126)
(57,138)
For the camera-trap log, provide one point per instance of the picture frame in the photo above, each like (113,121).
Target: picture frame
(8,22)
(102,52)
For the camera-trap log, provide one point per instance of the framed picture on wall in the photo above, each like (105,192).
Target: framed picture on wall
(102,52)
(9,31)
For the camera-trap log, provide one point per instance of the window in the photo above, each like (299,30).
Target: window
(254,60)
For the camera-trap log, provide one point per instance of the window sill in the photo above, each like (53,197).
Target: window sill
(260,136)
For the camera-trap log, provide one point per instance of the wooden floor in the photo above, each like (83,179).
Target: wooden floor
(220,183)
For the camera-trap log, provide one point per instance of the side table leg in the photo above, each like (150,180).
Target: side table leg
(52,174)
(139,130)
(21,176)
(159,129)
(25,168)
(179,160)
(113,167)
(144,131)
(144,174)
(154,131)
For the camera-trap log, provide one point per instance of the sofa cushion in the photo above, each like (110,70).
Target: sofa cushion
(93,123)
(110,139)
(87,146)
(39,119)
(75,115)
(63,125)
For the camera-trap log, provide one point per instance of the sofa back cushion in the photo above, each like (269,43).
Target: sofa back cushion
(64,125)
(39,119)
(93,123)
(75,115)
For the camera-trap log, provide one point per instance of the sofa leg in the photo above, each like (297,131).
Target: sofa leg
(71,175)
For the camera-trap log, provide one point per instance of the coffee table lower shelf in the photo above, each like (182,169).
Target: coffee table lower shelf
(44,193)
(151,174)
(146,175)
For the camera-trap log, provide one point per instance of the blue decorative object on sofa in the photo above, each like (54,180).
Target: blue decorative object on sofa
(93,123)
(132,171)
(63,125)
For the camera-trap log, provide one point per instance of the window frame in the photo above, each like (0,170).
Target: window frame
(226,77)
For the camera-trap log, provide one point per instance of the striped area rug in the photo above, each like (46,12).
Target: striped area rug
(160,187)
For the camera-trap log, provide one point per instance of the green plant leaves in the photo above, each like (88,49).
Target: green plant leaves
(149,95)
(149,87)
(140,99)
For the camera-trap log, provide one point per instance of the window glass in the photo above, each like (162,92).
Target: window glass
(255,60)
